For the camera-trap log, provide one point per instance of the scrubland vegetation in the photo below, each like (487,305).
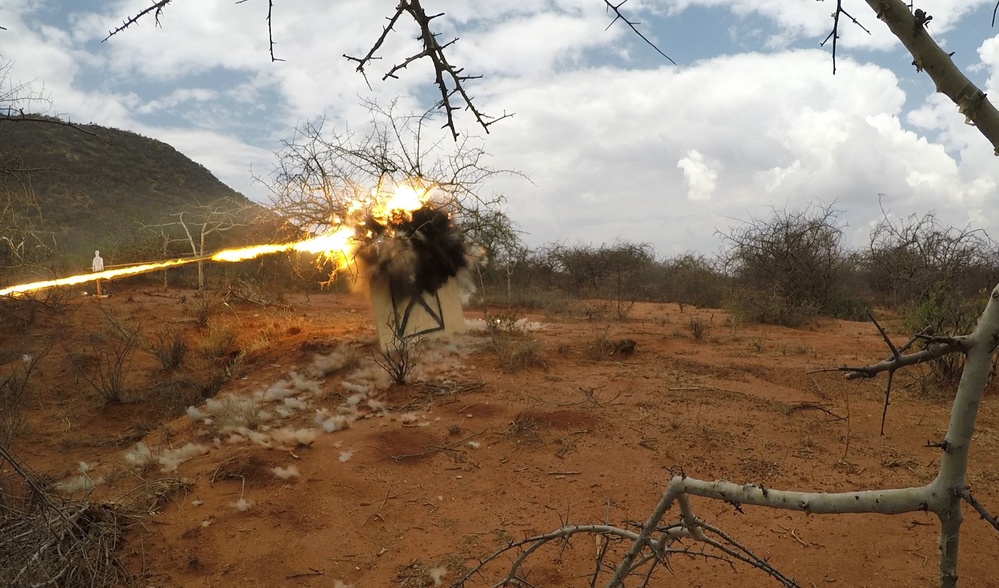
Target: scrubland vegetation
(790,270)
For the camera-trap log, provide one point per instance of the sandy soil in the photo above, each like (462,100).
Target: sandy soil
(484,449)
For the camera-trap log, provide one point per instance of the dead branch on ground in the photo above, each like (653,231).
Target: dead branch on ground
(49,541)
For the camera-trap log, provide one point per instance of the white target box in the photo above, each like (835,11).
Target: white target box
(404,317)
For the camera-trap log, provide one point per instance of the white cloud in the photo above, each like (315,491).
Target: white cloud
(177,97)
(228,158)
(663,155)
(599,145)
(701,178)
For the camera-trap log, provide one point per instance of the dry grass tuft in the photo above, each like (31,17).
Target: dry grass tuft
(517,353)
(218,338)
(170,348)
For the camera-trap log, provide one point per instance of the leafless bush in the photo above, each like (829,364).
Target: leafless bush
(219,337)
(698,327)
(513,344)
(623,272)
(692,278)
(26,243)
(66,543)
(399,358)
(787,268)
(934,275)
(205,306)
(170,348)
(14,395)
(516,353)
(20,312)
(113,348)
(603,347)
(910,260)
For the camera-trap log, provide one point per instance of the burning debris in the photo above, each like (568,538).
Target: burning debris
(415,253)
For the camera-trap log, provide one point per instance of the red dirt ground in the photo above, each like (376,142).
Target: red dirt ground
(580,440)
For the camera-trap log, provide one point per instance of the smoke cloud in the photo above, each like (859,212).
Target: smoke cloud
(415,254)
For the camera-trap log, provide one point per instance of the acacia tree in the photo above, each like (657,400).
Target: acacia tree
(198,226)
(653,542)
(324,170)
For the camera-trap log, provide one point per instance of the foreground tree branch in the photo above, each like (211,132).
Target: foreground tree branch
(909,27)
(448,78)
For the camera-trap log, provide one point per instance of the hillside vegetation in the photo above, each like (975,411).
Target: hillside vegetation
(70,189)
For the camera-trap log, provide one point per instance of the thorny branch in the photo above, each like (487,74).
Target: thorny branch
(655,552)
(156,8)
(896,356)
(959,344)
(936,347)
(965,493)
(633,26)
(270,27)
(449,79)
(834,33)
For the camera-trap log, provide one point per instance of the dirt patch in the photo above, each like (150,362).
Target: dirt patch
(407,445)
(450,469)
(565,419)
(251,469)
(476,410)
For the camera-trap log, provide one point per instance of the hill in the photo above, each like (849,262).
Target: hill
(89,180)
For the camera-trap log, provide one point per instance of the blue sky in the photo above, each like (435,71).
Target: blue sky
(617,143)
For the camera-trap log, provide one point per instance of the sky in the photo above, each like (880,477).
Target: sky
(609,140)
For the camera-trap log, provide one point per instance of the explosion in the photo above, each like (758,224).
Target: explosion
(401,237)
(415,249)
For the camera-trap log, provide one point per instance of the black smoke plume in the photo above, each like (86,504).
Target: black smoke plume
(416,254)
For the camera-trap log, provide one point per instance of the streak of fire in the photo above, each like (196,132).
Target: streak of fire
(339,246)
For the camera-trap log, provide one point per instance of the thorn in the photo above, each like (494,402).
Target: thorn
(944,445)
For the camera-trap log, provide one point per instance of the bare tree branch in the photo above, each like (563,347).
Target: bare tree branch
(156,8)
(633,26)
(965,493)
(934,351)
(450,80)
(895,356)
(834,33)
(270,27)
(21,116)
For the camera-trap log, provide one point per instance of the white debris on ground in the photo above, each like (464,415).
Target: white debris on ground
(82,482)
(523,325)
(256,416)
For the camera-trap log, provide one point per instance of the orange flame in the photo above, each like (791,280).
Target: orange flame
(338,246)
(107,274)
